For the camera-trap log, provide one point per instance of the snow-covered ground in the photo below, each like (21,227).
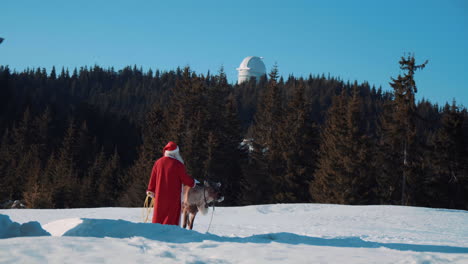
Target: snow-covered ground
(281,233)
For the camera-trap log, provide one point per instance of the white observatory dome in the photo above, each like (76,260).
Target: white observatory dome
(251,66)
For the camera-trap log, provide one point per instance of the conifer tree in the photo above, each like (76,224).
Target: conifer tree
(5,158)
(223,154)
(232,155)
(5,94)
(84,149)
(345,174)
(137,177)
(360,185)
(89,188)
(449,181)
(266,153)
(16,157)
(63,173)
(188,117)
(110,182)
(326,186)
(37,193)
(30,169)
(53,74)
(41,124)
(299,143)
(400,157)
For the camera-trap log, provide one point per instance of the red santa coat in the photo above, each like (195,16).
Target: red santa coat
(167,177)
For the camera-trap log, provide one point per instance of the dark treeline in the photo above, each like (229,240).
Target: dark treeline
(89,138)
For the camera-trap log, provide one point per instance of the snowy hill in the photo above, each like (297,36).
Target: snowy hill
(282,233)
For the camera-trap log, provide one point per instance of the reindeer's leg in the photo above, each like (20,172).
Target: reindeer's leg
(185,206)
(186,194)
(192,218)
(184,218)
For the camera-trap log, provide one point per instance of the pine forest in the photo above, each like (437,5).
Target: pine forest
(89,137)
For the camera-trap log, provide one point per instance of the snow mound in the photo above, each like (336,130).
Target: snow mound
(9,229)
(125,229)
(282,233)
(59,227)
(173,234)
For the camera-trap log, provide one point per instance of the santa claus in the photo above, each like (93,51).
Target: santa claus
(165,184)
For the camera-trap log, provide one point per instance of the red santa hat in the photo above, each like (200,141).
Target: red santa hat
(171,147)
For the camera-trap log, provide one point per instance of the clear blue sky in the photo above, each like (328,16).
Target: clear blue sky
(354,40)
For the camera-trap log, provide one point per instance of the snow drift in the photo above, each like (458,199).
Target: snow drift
(282,233)
(9,229)
(173,234)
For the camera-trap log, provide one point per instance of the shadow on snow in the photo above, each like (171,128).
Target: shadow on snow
(9,229)
(174,234)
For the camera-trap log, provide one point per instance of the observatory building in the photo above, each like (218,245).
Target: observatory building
(251,66)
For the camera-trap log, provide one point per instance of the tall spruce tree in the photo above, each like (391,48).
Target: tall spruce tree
(110,182)
(217,92)
(360,184)
(5,95)
(137,176)
(262,182)
(89,188)
(223,155)
(5,157)
(345,171)
(299,143)
(16,156)
(37,193)
(399,155)
(448,185)
(63,174)
(326,186)
(187,118)
(232,155)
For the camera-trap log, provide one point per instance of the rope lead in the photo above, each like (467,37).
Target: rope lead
(147,206)
(212,213)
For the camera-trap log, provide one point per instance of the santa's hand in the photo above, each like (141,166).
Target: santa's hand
(150,194)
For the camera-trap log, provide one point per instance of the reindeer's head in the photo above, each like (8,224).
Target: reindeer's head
(213,191)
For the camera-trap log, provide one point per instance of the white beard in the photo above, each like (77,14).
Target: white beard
(174,155)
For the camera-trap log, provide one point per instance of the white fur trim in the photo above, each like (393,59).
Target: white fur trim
(174,154)
(172,151)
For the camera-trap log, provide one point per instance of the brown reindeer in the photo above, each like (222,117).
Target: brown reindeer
(197,199)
